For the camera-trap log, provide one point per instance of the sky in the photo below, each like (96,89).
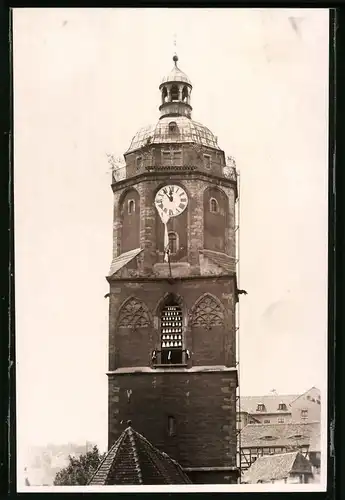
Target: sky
(85,80)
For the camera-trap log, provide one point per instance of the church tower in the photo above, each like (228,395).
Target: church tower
(172,299)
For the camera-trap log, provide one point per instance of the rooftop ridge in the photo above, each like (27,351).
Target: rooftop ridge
(135,453)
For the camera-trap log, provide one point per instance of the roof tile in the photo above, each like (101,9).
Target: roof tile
(283,435)
(134,460)
(274,467)
(123,259)
(249,404)
(221,259)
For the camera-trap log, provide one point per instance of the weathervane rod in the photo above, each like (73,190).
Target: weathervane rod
(175,39)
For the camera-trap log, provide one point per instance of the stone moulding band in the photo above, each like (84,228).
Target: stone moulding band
(194,369)
(172,167)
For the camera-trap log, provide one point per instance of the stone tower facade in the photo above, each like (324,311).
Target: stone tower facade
(173,292)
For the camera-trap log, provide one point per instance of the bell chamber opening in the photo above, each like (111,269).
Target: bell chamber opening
(171,335)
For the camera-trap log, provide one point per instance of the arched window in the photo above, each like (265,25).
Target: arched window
(139,162)
(185,94)
(131,207)
(172,127)
(171,335)
(173,242)
(174,93)
(164,95)
(207,161)
(213,205)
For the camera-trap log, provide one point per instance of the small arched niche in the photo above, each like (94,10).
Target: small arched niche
(214,208)
(173,242)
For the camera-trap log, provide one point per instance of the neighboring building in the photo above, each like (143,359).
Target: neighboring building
(307,406)
(133,460)
(279,409)
(266,439)
(288,468)
(173,291)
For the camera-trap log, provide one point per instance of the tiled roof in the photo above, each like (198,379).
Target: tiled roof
(133,460)
(221,259)
(273,467)
(188,131)
(122,260)
(249,404)
(314,390)
(280,435)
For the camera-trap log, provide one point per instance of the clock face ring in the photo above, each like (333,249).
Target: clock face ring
(171,199)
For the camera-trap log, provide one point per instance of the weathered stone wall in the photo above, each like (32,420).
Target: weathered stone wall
(130,346)
(202,404)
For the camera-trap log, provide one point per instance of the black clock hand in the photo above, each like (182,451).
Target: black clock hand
(166,193)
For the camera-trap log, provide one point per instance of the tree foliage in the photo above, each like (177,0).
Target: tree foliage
(80,469)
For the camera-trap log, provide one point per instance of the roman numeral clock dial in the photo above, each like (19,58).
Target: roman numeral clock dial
(171,200)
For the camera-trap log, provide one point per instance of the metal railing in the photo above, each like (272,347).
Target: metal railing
(178,357)
(121,173)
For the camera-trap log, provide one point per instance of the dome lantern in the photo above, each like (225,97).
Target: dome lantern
(175,124)
(175,91)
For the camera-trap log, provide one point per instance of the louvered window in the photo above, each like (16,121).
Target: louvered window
(171,335)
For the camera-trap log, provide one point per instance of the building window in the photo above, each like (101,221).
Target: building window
(139,162)
(131,207)
(281,420)
(172,127)
(172,158)
(267,421)
(207,161)
(282,407)
(173,242)
(174,93)
(171,335)
(213,205)
(304,414)
(177,158)
(261,407)
(185,94)
(171,426)
(166,157)
(164,95)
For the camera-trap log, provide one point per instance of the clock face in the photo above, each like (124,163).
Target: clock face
(171,200)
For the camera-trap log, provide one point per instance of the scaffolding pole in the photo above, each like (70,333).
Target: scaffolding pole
(238,395)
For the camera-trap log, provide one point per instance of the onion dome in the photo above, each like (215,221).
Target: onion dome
(176,75)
